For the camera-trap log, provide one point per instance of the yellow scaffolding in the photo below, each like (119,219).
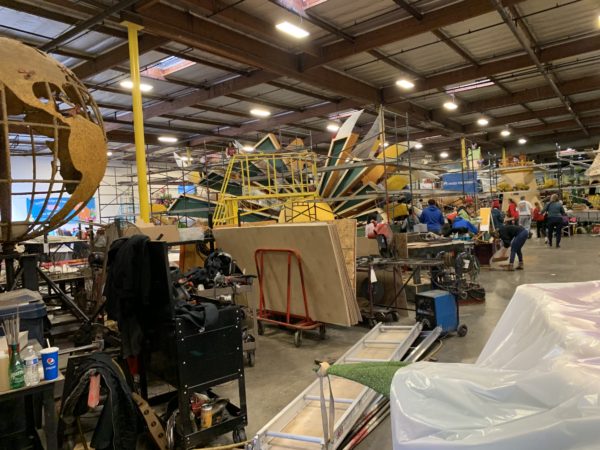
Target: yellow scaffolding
(268,181)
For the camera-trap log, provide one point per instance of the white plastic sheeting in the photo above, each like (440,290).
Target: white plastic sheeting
(536,384)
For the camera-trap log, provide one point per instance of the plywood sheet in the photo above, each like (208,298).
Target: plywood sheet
(347,232)
(329,291)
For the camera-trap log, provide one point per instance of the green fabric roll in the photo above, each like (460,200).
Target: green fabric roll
(376,375)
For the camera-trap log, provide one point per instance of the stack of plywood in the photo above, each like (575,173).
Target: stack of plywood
(328,252)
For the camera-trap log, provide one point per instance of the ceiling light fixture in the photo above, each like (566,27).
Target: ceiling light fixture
(333,127)
(444,155)
(418,146)
(292,30)
(128,84)
(405,84)
(451,105)
(248,148)
(522,141)
(505,132)
(482,121)
(109,153)
(260,112)
(167,139)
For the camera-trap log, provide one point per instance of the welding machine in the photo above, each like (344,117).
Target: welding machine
(439,308)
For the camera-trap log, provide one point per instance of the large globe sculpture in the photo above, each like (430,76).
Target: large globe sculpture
(52,144)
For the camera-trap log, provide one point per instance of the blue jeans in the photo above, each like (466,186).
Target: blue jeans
(517,244)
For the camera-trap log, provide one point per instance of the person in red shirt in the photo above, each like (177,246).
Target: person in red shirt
(513,214)
(540,220)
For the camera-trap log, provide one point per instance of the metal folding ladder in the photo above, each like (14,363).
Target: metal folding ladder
(299,424)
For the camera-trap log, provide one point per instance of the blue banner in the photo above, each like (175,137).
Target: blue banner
(55,204)
(461,181)
(186,189)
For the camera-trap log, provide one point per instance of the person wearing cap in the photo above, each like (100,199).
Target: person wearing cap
(497,215)
(432,217)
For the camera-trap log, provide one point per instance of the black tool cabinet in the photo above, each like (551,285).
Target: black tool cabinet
(193,360)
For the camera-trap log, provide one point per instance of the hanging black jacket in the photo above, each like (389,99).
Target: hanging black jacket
(119,424)
(127,289)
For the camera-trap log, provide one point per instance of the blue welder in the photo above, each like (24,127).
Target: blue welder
(439,308)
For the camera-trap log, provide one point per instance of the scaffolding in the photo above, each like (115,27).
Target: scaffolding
(267,180)
(116,200)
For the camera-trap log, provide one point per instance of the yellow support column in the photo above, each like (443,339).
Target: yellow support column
(138,120)
(463,152)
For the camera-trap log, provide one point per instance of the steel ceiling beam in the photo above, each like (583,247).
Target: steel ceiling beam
(116,56)
(87,24)
(216,10)
(534,94)
(447,15)
(283,119)
(547,54)
(205,35)
(218,90)
(510,20)
(57,16)
(580,107)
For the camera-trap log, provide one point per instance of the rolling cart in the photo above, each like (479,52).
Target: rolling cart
(297,323)
(194,359)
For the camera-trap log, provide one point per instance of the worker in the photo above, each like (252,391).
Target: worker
(525,210)
(461,226)
(497,215)
(540,220)
(555,211)
(463,213)
(514,236)
(432,217)
(512,215)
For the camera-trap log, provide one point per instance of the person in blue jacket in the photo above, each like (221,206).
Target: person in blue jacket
(432,217)
(461,226)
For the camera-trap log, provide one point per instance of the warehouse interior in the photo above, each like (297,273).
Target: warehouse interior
(299,224)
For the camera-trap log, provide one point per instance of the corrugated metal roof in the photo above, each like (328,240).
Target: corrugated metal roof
(507,110)
(549,22)
(584,96)
(543,104)
(357,18)
(432,59)
(370,70)
(529,82)
(578,66)
(275,94)
(180,48)
(270,13)
(479,94)
(484,37)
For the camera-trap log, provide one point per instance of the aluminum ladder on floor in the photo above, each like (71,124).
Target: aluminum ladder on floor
(299,424)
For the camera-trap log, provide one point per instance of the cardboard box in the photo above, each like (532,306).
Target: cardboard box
(167,233)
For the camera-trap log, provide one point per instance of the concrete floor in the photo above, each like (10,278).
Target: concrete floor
(283,371)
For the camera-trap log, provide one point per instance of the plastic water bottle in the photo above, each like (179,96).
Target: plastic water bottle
(32,375)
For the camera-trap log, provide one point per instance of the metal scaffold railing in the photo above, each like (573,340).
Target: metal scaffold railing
(268,181)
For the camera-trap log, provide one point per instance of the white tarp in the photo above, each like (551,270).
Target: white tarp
(536,384)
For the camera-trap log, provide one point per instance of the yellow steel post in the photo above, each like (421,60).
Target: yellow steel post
(138,120)
(463,152)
